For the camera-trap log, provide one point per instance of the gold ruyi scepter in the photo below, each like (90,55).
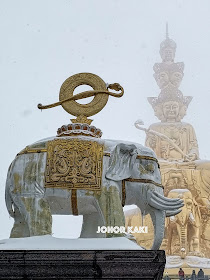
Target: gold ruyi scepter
(138,124)
(100,91)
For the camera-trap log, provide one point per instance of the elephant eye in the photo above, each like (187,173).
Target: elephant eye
(146,168)
(150,168)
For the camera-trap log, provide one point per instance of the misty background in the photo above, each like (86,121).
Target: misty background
(44,42)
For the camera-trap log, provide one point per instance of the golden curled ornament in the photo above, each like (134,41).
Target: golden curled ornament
(100,92)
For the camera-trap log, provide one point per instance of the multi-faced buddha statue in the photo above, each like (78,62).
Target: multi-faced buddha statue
(179,144)
(175,144)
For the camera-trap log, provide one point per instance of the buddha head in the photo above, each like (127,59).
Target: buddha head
(170,105)
(168,74)
(162,79)
(176,78)
(168,50)
(170,110)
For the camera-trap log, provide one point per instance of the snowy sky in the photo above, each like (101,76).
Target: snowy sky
(43,42)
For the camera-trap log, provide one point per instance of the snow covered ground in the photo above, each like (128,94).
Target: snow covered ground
(48,242)
(189,261)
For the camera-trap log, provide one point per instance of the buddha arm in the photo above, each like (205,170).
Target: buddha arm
(152,139)
(188,139)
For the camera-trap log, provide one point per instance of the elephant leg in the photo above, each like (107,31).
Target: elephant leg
(90,225)
(195,239)
(37,215)
(169,235)
(92,221)
(109,204)
(20,227)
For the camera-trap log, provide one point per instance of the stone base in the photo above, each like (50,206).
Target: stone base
(89,264)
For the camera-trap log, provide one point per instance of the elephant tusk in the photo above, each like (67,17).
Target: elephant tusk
(166,198)
(172,213)
(191,217)
(167,202)
(160,206)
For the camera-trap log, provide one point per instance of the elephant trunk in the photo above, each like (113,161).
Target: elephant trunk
(158,219)
(183,241)
(160,207)
(8,200)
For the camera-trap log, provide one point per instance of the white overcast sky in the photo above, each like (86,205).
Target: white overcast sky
(43,42)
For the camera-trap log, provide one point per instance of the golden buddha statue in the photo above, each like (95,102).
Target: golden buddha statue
(183,174)
(179,148)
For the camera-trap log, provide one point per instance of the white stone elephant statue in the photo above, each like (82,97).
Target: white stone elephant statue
(87,176)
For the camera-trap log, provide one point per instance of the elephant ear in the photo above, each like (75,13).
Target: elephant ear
(121,162)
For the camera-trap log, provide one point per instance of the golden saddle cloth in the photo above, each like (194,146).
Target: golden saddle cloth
(74,164)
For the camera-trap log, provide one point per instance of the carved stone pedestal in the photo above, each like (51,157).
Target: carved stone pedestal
(88,264)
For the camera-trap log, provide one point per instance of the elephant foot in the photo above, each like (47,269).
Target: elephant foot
(131,237)
(19,230)
(90,225)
